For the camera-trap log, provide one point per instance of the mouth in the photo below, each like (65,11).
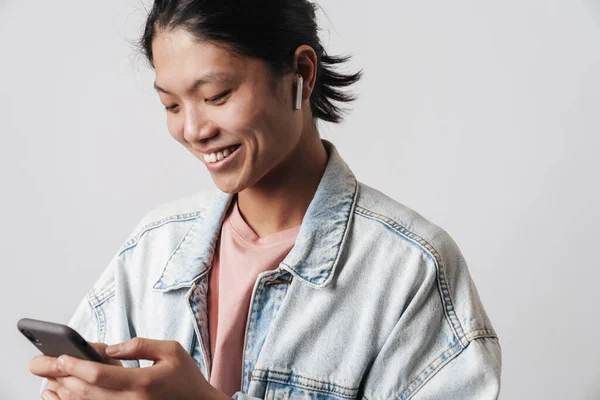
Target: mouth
(221,159)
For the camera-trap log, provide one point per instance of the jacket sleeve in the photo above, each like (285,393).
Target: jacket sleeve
(469,373)
(473,374)
(443,345)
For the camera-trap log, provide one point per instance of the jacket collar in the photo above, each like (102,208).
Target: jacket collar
(318,246)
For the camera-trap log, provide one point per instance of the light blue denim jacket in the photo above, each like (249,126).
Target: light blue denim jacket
(372,302)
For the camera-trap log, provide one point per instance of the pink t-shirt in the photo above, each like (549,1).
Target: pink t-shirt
(239,257)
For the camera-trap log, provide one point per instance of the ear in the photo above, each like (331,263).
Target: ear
(305,64)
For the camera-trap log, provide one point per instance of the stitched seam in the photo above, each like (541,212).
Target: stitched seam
(153,225)
(426,375)
(303,386)
(98,312)
(267,371)
(162,274)
(441,278)
(133,240)
(300,385)
(290,378)
(102,323)
(481,333)
(96,299)
(104,295)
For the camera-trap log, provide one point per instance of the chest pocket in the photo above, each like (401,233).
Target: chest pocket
(278,391)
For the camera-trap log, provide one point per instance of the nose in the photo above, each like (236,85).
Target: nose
(198,128)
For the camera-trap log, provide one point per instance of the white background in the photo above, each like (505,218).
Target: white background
(482,116)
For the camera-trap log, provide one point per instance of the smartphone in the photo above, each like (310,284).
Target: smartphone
(57,339)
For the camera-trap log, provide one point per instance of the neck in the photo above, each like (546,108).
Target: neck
(281,198)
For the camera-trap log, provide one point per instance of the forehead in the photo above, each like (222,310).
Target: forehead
(181,62)
(179,51)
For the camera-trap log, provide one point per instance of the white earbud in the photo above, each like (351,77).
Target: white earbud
(299,92)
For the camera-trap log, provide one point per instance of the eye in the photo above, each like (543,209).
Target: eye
(213,100)
(219,97)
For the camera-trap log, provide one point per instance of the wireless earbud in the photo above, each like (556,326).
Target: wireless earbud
(299,92)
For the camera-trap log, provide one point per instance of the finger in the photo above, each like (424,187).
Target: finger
(101,349)
(80,389)
(52,384)
(145,349)
(98,374)
(50,395)
(59,389)
(64,393)
(44,366)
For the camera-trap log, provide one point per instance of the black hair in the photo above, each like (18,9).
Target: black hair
(270,30)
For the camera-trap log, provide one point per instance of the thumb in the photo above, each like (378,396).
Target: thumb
(142,349)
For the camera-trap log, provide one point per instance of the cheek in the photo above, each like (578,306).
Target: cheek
(239,118)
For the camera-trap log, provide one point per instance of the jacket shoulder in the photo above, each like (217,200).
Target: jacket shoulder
(406,221)
(458,293)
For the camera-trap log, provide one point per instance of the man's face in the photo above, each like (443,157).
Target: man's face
(237,106)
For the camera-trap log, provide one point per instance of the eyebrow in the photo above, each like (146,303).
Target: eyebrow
(207,78)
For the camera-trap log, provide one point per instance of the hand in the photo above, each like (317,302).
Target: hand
(173,375)
(46,367)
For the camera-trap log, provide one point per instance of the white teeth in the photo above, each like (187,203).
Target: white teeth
(218,156)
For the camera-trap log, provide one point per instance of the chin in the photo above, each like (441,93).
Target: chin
(228,187)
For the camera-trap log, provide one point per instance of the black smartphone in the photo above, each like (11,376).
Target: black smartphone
(57,339)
